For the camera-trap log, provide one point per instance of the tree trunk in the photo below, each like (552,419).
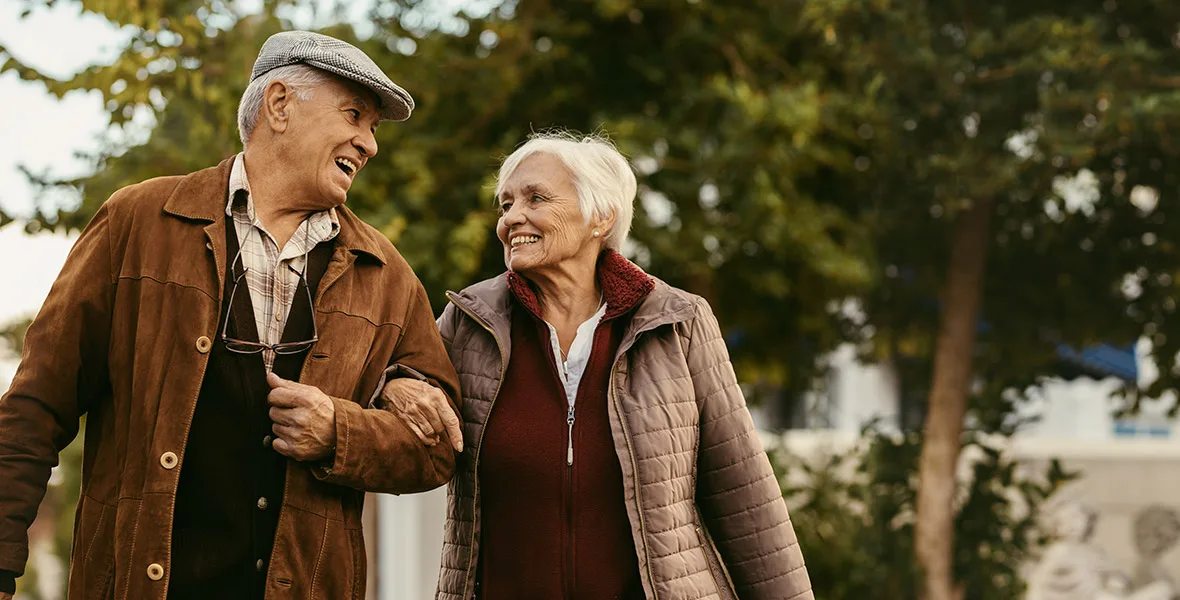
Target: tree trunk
(947,406)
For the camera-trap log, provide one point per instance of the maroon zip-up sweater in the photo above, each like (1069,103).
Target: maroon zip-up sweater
(550,529)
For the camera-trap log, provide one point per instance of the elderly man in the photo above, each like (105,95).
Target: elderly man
(224,333)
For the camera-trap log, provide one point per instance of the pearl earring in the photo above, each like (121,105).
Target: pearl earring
(595,234)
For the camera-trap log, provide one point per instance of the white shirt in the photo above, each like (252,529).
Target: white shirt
(574,366)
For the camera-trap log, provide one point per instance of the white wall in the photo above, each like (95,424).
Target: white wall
(1081,409)
(409,544)
(860,393)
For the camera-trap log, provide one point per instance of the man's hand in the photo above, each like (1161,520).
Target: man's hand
(5,596)
(304,420)
(424,409)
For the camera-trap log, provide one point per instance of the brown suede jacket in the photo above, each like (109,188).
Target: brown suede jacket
(124,338)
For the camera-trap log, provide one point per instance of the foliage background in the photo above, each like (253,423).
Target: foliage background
(803,165)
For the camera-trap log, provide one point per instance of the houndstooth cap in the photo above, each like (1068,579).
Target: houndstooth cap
(332,55)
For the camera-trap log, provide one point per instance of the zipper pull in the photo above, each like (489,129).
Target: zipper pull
(569,449)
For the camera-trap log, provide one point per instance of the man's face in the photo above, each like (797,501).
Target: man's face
(329,140)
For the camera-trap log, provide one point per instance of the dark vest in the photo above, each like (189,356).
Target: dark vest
(231,480)
(551,529)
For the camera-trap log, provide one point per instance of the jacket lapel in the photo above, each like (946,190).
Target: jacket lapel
(490,302)
(355,241)
(202,196)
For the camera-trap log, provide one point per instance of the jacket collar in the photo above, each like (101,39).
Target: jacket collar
(201,196)
(624,285)
(655,303)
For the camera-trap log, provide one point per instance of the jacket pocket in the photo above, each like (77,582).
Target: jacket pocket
(339,572)
(92,568)
(716,567)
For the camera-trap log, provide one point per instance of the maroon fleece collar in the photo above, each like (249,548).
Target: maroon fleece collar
(624,286)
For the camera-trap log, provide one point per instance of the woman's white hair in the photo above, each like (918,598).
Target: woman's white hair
(601,175)
(302,79)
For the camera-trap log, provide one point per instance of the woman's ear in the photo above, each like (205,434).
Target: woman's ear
(276,106)
(603,226)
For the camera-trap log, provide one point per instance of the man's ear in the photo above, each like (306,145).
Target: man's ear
(276,105)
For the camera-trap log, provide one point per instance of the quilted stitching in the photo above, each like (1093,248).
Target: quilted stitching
(695,448)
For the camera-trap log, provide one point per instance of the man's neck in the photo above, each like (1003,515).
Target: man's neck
(274,195)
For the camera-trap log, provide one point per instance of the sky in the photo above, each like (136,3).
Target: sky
(43,133)
(46,132)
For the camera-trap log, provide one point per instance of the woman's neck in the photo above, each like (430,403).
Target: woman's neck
(568,293)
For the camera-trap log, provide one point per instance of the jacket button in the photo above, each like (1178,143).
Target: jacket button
(267,441)
(204,344)
(262,503)
(259,564)
(168,460)
(155,572)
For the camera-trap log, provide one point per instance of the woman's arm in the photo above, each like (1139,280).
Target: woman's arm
(737,491)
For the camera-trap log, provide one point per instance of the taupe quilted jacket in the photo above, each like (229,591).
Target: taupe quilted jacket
(699,490)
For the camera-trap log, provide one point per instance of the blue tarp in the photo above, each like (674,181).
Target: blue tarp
(1103,360)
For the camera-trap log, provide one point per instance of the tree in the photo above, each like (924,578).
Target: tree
(735,144)
(993,109)
(853,511)
(13,335)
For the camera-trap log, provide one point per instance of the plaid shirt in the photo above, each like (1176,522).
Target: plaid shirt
(272,274)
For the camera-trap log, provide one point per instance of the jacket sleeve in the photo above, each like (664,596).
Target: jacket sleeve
(447,324)
(375,450)
(61,374)
(737,491)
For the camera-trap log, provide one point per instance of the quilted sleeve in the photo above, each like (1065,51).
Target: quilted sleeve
(737,491)
(447,324)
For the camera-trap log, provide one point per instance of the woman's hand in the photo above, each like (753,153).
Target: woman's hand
(424,409)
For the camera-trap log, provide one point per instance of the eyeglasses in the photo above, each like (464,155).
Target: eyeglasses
(248,347)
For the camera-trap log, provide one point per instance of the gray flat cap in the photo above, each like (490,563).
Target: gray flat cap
(332,55)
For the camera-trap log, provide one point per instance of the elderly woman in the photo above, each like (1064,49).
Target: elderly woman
(610,453)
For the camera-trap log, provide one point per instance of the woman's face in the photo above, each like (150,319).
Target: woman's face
(541,225)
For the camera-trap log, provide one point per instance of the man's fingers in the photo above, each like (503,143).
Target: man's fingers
(275,381)
(278,383)
(284,432)
(284,397)
(283,447)
(283,416)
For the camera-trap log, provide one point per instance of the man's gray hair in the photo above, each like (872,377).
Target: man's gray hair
(302,80)
(601,175)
